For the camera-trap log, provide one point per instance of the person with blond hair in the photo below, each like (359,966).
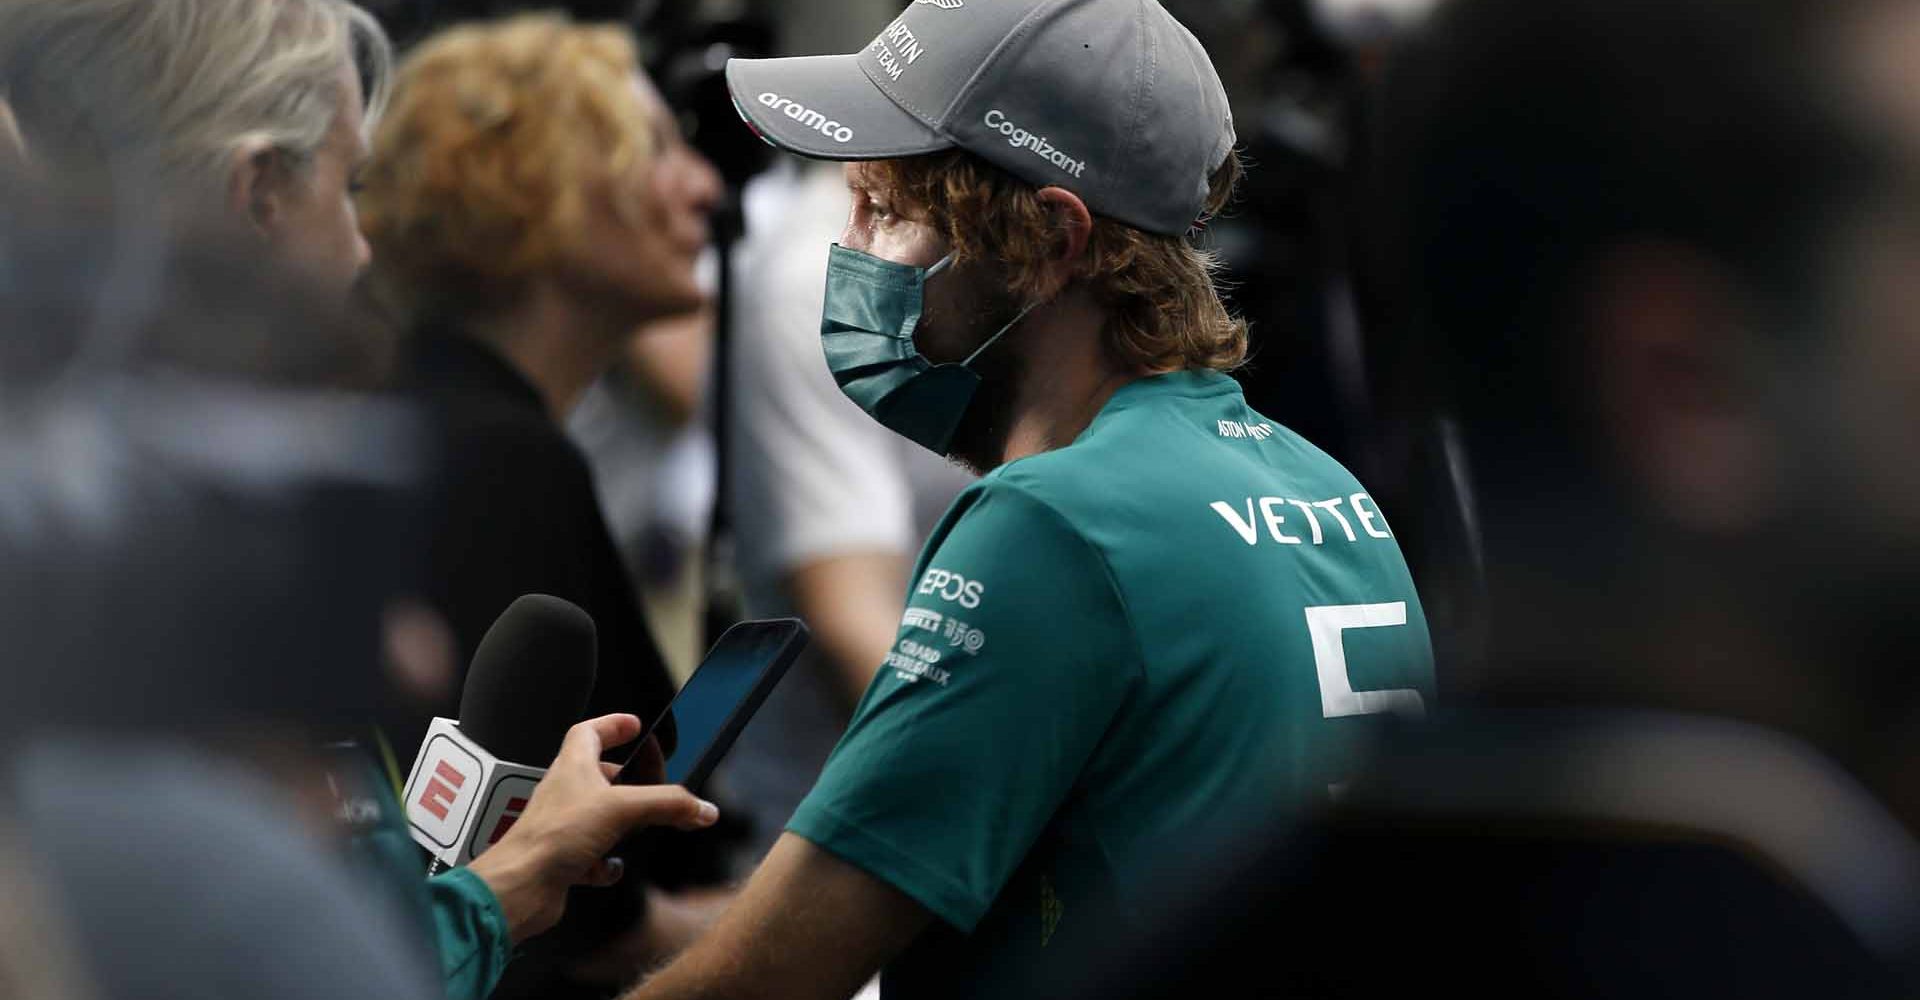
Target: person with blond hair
(531,204)
(1158,617)
(253,116)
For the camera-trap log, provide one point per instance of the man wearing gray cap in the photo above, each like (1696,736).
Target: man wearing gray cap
(1158,617)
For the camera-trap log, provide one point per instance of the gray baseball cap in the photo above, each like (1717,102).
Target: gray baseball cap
(1113,100)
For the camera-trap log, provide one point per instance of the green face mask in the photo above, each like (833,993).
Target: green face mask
(866,329)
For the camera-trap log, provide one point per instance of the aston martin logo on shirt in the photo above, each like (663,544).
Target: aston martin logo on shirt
(944,4)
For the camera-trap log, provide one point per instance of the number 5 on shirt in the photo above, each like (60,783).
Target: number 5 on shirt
(1325,625)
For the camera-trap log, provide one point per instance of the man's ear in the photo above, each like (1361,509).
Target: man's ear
(1073,226)
(256,186)
(1672,365)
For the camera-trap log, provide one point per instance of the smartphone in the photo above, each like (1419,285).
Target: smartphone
(715,704)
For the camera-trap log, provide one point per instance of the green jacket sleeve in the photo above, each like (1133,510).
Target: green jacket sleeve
(470,933)
(455,912)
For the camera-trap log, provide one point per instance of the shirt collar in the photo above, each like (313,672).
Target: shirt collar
(443,356)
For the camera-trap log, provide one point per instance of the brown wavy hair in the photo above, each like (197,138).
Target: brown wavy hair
(1164,310)
(486,162)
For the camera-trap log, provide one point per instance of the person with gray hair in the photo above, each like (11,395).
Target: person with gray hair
(257,107)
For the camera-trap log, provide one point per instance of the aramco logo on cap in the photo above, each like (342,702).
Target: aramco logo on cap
(807,116)
(944,4)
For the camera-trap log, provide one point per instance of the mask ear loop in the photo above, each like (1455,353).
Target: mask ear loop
(941,265)
(1022,314)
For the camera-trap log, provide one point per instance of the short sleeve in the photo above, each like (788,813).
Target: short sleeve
(1013,658)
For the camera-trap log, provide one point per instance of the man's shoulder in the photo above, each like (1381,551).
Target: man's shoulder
(1074,505)
(1127,461)
(989,509)
(1036,489)
(1083,469)
(1143,498)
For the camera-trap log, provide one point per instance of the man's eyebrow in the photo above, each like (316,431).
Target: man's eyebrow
(861,180)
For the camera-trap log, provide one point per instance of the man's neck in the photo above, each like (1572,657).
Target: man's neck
(557,342)
(1069,376)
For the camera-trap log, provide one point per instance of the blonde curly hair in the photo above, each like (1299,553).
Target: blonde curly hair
(1164,309)
(487,162)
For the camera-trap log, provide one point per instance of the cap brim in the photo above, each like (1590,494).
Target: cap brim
(824,107)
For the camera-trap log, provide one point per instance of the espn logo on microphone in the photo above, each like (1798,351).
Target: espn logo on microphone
(461,799)
(443,794)
(442,789)
(505,802)
(514,808)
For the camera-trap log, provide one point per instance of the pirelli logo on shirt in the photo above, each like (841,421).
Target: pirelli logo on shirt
(956,633)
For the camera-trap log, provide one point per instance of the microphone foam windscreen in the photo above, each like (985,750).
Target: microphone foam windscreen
(530,679)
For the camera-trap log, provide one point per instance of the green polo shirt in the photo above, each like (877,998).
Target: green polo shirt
(1178,621)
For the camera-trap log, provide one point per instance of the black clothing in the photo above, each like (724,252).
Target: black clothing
(514,512)
(1589,854)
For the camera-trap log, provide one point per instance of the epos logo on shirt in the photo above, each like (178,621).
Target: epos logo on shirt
(949,586)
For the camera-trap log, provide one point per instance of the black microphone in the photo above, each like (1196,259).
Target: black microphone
(530,679)
(528,683)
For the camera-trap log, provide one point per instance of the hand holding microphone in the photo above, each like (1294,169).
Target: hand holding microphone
(576,815)
(474,797)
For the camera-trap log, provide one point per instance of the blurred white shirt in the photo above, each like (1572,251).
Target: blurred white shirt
(812,476)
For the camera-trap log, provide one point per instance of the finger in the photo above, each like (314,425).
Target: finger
(586,739)
(609,769)
(647,767)
(605,872)
(664,805)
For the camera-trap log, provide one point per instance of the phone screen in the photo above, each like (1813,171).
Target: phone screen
(724,692)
